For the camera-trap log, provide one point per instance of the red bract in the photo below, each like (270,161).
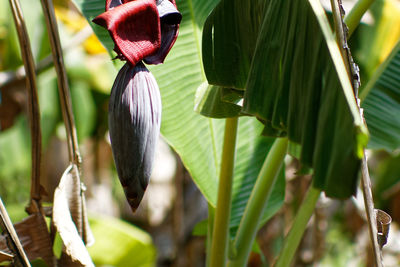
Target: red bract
(141,29)
(135,29)
(114,3)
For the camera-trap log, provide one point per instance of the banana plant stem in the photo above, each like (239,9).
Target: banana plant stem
(353,19)
(292,240)
(210,227)
(220,235)
(249,224)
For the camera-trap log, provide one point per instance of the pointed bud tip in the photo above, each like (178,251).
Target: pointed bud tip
(134,126)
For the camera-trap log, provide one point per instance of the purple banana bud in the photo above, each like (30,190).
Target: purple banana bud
(134,123)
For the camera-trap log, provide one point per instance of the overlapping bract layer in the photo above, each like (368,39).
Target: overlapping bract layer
(133,28)
(134,124)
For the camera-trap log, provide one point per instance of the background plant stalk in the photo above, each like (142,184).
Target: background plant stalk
(248,227)
(220,236)
(292,240)
(33,105)
(65,98)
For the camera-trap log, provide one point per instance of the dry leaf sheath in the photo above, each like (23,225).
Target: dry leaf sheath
(65,98)
(142,30)
(341,30)
(33,104)
(74,249)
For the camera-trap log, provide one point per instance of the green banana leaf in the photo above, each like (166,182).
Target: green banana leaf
(229,38)
(297,85)
(217,102)
(198,140)
(386,178)
(120,244)
(382,104)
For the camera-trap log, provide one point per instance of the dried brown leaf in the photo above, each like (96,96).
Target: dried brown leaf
(70,183)
(88,237)
(5,256)
(67,201)
(34,237)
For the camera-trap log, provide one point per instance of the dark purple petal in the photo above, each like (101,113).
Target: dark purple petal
(112,3)
(135,28)
(170,19)
(168,12)
(134,124)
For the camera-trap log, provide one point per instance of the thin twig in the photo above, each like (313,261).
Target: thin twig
(337,13)
(369,208)
(33,104)
(15,246)
(65,99)
(44,64)
(342,33)
(353,72)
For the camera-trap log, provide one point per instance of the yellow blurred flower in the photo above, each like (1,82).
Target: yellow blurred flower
(75,22)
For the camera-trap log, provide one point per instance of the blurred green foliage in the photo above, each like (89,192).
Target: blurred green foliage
(120,244)
(89,95)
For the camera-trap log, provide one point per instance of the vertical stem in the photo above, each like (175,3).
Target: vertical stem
(33,103)
(366,182)
(369,208)
(340,33)
(354,17)
(178,210)
(262,189)
(62,79)
(341,30)
(78,209)
(220,236)
(210,228)
(299,225)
